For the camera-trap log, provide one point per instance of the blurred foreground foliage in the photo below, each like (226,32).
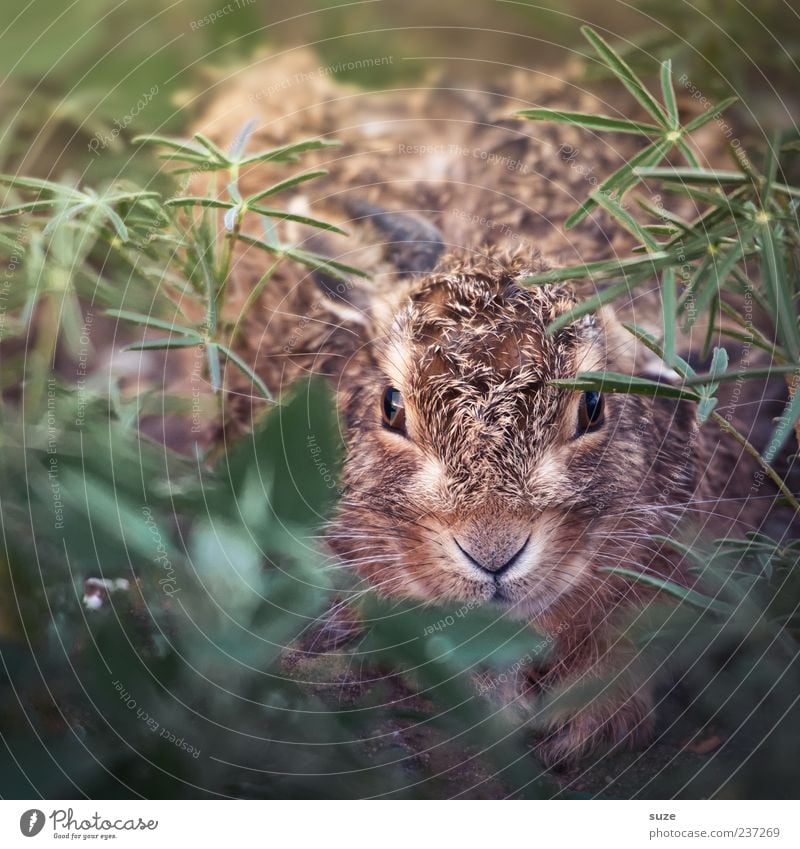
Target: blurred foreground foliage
(164,673)
(176,683)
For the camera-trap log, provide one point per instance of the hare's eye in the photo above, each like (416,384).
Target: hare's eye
(394,413)
(591,412)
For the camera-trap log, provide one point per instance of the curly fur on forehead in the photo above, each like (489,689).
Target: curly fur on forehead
(477,359)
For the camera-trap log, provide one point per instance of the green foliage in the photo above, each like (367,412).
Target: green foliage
(184,665)
(749,215)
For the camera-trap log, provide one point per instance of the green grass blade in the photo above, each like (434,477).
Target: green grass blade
(213,149)
(337,269)
(316,262)
(784,427)
(149,321)
(683,593)
(180,145)
(713,312)
(208,203)
(601,123)
(688,153)
(668,93)
(663,214)
(627,221)
(117,222)
(286,184)
(693,176)
(29,207)
(282,215)
(621,180)
(710,278)
(289,152)
(640,334)
(669,313)
(165,344)
(604,269)
(740,374)
(40,185)
(709,115)
(610,381)
(214,369)
(620,68)
(590,305)
(779,291)
(770,169)
(247,371)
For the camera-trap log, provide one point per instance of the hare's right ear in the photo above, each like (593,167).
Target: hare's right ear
(392,246)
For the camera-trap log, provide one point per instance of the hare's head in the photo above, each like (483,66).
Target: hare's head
(470,476)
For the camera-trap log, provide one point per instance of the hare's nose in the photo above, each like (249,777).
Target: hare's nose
(494,555)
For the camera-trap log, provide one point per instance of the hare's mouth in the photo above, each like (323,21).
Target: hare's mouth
(523,598)
(508,579)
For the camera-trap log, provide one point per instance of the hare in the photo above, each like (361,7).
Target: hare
(469,476)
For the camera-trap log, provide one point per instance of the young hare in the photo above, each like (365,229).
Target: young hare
(469,476)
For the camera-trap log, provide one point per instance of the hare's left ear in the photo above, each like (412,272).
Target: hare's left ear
(393,246)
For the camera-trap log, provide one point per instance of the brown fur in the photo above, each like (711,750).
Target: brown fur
(492,459)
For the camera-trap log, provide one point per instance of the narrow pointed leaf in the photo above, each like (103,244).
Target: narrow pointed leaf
(289,152)
(286,184)
(609,381)
(182,145)
(602,123)
(683,593)
(29,207)
(41,185)
(740,374)
(693,176)
(150,321)
(603,269)
(246,370)
(209,203)
(212,148)
(627,221)
(709,115)
(679,365)
(165,344)
(590,305)
(621,180)
(688,153)
(314,261)
(242,137)
(214,369)
(669,313)
(668,93)
(116,220)
(626,75)
(784,427)
(282,215)
(778,291)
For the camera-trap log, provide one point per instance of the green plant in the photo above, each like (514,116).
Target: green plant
(749,215)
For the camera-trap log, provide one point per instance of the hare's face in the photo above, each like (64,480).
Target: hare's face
(469,475)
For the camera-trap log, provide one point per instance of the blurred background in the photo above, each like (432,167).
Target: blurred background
(71,70)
